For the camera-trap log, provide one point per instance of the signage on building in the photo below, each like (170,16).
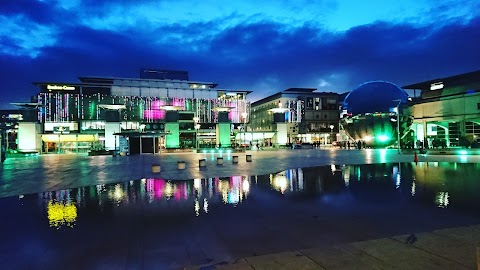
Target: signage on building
(61,130)
(51,87)
(436,86)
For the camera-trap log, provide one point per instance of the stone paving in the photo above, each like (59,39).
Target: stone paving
(54,172)
(454,248)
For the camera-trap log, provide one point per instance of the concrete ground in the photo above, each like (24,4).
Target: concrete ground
(454,248)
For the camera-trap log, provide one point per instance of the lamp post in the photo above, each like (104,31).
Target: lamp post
(197,128)
(398,124)
(244,116)
(331,133)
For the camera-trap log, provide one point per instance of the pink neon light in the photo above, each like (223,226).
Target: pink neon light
(155,187)
(178,102)
(154,114)
(180,192)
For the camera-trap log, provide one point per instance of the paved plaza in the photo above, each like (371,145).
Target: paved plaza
(450,248)
(35,174)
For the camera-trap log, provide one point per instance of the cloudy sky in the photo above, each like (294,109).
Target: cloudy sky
(263,46)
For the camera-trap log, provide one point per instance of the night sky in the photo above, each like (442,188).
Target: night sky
(262,46)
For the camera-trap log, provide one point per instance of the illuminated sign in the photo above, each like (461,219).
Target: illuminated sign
(436,86)
(60,87)
(61,130)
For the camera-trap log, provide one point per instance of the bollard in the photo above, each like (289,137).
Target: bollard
(219,160)
(415,158)
(156,168)
(202,163)
(248,158)
(181,165)
(234,159)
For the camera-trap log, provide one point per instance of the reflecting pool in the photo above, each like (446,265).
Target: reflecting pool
(156,223)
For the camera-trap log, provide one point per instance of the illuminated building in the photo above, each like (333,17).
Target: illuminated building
(369,114)
(447,112)
(136,115)
(296,115)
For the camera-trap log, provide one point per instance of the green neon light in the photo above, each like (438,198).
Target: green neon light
(383,138)
(172,140)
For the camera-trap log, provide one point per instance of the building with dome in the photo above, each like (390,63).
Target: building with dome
(370,113)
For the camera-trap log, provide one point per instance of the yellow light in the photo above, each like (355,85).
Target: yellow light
(60,214)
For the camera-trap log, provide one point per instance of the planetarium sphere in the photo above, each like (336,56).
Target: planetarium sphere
(374,97)
(370,114)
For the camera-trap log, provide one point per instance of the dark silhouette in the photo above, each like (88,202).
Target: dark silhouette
(411,239)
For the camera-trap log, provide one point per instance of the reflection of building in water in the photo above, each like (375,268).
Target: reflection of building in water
(61,206)
(346,175)
(397,175)
(292,180)
(159,188)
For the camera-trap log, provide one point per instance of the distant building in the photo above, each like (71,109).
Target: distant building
(132,115)
(161,74)
(296,115)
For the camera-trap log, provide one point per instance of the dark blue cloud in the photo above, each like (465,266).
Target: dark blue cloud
(261,55)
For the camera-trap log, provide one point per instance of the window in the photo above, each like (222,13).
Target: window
(310,103)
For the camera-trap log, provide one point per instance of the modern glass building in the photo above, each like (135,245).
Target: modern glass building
(447,112)
(133,115)
(296,115)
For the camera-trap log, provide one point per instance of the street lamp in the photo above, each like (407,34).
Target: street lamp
(331,132)
(244,116)
(398,124)
(197,127)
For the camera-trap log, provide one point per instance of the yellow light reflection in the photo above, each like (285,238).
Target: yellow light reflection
(169,189)
(224,187)
(117,193)
(197,207)
(60,214)
(280,183)
(346,176)
(197,183)
(332,167)
(246,186)
(442,199)
(205,205)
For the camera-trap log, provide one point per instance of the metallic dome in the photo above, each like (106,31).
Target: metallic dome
(374,97)
(370,114)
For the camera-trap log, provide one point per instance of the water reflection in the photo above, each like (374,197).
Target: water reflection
(435,184)
(61,214)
